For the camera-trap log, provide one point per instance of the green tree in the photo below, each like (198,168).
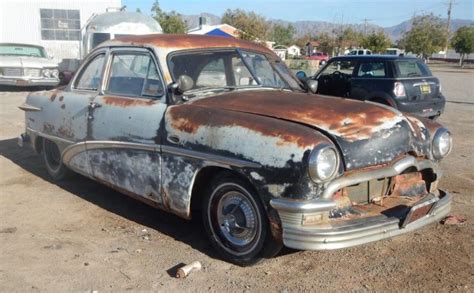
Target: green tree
(377,42)
(138,10)
(283,34)
(171,22)
(251,26)
(348,38)
(426,36)
(327,43)
(463,42)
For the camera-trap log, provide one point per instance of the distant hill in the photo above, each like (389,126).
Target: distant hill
(304,27)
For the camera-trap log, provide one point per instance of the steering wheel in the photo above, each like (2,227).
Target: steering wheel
(339,74)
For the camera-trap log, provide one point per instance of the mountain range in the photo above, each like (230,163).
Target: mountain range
(305,27)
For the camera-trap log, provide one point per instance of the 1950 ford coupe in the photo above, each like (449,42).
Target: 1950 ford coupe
(220,128)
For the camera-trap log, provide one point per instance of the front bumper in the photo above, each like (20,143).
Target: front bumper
(22,81)
(303,229)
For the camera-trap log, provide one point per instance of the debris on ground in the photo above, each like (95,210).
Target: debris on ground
(184,271)
(453,220)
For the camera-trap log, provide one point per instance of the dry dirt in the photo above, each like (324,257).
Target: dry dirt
(79,235)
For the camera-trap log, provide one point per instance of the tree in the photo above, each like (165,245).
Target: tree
(377,42)
(138,10)
(463,42)
(171,22)
(250,25)
(348,38)
(426,36)
(327,43)
(283,35)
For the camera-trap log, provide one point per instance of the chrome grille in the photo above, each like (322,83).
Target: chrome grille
(32,72)
(12,71)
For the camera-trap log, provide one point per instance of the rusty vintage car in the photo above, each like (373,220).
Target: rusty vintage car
(219,127)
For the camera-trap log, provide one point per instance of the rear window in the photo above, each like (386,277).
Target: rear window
(411,68)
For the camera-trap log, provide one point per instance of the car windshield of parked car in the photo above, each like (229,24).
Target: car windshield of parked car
(231,69)
(411,68)
(18,50)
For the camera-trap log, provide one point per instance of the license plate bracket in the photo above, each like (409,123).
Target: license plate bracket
(419,210)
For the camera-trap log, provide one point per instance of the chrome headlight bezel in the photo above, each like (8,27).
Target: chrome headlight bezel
(438,138)
(314,160)
(50,72)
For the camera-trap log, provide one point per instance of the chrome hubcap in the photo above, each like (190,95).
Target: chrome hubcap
(237,218)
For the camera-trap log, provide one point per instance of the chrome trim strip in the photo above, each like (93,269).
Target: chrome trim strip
(209,157)
(424,83)
(50,137)
(388,171)
(26,107)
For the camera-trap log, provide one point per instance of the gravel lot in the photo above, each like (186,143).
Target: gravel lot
(79,235)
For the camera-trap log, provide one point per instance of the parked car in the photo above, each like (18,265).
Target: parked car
(26,65)
(219,128)
(360,52)
(322,57)
(405,83)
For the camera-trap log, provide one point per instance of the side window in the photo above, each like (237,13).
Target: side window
(134,74)
(212,74)
(90,77)
(346,67)
(372,69)
(242,75)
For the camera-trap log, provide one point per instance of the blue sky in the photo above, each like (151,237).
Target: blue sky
(380,12)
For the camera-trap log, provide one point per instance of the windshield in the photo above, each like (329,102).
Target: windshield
(231,69)
(19,50)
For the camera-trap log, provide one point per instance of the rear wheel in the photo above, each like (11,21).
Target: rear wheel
(52,160)
(236,222)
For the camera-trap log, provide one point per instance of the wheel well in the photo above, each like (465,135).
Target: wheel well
(380,101)
(201,182)
(39,144)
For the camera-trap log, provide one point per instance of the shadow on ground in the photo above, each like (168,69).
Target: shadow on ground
(189,232)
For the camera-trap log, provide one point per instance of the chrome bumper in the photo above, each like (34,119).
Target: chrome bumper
(357,232)
(304,228)
(21,81)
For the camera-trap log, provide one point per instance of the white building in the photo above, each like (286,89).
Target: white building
(293,51)
(53,24)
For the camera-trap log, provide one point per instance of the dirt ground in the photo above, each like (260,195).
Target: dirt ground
(81,236)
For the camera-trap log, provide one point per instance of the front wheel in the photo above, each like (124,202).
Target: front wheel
(235,221)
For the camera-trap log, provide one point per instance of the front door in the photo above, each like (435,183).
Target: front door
(124,126)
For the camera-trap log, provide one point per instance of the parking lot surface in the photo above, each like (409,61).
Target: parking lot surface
(78,235)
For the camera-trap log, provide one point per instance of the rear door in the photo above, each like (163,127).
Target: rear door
(420,84)
(125,125)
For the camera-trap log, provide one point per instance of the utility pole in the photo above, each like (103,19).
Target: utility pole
(366,25)
(450,5)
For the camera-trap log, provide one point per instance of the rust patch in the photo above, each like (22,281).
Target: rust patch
(188,118)
(61,98)
(352,120)
(48,128)
(52,97)
(65,132)
(127,102)
(184,41)
(63,106)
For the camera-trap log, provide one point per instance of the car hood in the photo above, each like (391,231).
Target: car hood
(366,133)
(27,62)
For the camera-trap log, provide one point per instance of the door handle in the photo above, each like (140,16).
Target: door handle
(94,105)
(173,138)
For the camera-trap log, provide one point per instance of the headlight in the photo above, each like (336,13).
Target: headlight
(46,73)
(323,163)
(55,73)
(442,143)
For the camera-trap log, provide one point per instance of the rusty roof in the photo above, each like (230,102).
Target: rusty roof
(183,41)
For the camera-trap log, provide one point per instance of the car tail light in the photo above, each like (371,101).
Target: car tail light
(399,89)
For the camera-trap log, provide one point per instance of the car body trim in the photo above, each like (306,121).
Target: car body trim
(27,107)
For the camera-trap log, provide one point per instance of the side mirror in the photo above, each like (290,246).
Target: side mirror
(184,83)
(301,75)
(312,85)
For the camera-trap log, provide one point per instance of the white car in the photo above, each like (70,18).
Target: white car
(27,65)
(360,52)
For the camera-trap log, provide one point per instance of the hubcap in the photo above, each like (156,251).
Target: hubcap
(237,219)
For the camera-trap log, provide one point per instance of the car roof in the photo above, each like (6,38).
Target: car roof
(20,44)
(185,41)
(374,57)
